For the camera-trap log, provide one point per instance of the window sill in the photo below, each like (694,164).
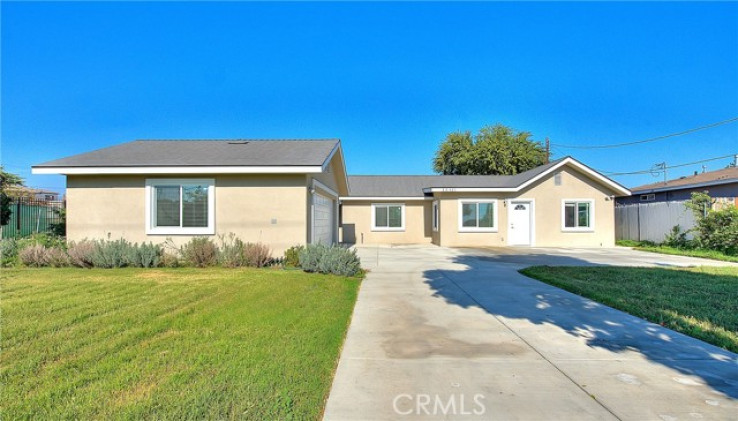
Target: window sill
(577,230)
(181,231)
(388,229)
(478,230)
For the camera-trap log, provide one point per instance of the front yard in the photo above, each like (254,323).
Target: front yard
(701,302)
(170,343)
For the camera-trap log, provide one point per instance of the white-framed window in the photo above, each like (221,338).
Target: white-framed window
(388,217)
(648,197)
(180,206)
(436,221)
(477,215)
(577,215)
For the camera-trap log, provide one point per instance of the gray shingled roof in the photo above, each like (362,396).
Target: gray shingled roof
(232,152)
(413,185)
(725,175)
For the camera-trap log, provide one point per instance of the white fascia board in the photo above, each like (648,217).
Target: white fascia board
(180,170)
(583,168)
(327,161)
(468,189)
(384,198)
(330,155)
(325,188)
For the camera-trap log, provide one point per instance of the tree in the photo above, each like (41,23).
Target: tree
(495,150)
(6,180)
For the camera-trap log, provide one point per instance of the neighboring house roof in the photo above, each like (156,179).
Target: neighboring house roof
(302,155)
(16,191)
(705,179)
(396,186)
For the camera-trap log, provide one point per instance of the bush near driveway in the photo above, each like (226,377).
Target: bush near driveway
(701,302)
(330,259)
(170,343)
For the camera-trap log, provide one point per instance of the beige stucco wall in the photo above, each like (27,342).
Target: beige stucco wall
(334,176)
(547,214)
(357,223)
(114,207)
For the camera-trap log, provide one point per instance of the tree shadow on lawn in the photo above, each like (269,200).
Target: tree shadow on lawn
(491,282)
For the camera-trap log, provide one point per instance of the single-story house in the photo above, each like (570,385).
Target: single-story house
(721,185)
(30,193)
(288,192)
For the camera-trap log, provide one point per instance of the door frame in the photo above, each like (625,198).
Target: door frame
(531,214)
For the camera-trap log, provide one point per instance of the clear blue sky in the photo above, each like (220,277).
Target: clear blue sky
(391,80)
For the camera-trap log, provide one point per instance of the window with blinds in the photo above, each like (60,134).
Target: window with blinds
(180,206)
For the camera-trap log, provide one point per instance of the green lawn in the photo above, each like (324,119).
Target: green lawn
(701,302)
(703,253)
(170,343)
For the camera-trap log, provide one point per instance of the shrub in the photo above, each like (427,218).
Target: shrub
(33,255)
(330,259)
(81,254)
(200,252)
(59,228)
(56,257)
(231,251)
(8,252)
(169,260)
(147,255)
(47,240)
(718,230)
(292,256)
(111,254)
(676,238)
(257,254)
(310,256)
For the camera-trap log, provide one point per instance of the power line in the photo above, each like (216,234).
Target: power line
(653,139)
(653,170)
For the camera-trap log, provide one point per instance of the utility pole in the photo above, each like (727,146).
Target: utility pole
(548,150)
(657,168)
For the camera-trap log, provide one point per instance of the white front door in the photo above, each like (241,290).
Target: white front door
(323,221)
(519,221)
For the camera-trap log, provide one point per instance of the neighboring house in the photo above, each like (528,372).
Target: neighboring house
(33,194)
(287,192)
(721,185)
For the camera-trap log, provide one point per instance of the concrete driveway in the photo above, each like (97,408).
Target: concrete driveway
(458,334)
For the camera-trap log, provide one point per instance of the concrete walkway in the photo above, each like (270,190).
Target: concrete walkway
(459,334)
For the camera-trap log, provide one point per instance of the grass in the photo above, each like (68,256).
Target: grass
(701,302)
(654,248)
(170,343)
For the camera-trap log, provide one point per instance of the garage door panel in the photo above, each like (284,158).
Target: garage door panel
(323,209)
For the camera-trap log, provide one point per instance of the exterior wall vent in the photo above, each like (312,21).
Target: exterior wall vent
(557,179)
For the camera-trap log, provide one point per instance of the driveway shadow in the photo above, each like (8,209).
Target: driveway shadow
(494,285)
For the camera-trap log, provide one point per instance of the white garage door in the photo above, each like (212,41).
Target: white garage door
(322,219)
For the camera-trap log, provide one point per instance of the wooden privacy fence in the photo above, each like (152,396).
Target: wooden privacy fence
(30,216)
(651,221)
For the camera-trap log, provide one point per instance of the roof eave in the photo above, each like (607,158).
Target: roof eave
(384,198)
(685,186)
(220,169)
